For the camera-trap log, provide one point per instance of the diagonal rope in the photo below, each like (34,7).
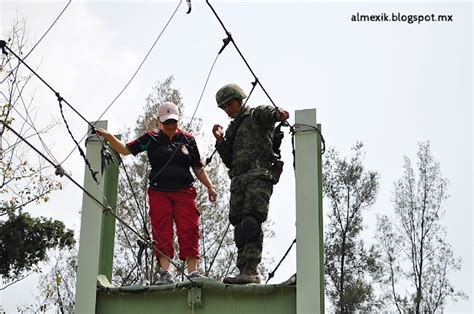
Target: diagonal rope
(105,209)
(133,76)
(202,92)
(37,43)
(3,46)
(270,275)
(231,39)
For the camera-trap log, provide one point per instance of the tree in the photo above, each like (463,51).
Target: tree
(413,244)
(350,189)
(24,178)
(57,285)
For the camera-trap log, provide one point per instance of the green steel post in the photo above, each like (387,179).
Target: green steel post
(320,220)
(309,231)
(91,225)
(107,237)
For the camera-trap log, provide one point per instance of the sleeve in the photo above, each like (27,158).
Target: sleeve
(195,156)
(264,116)
(225,151)
(139,145)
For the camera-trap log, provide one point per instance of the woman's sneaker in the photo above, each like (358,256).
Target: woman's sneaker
(165,278)
(195,274)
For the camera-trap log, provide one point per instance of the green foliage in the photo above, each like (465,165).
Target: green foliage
(350,189)
(24,242)
(25,178)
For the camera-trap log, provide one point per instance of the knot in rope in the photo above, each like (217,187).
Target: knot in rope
(59,171)
(59,97)
(226,42)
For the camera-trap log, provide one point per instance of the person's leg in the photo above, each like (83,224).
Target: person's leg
(161,216)
(248,234)
(165,264)
(249,240)
(191,264)
(186,216)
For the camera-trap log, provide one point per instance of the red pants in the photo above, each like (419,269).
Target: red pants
(180,207)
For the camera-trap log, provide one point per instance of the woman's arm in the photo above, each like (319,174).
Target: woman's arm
(116,144)
(201,174)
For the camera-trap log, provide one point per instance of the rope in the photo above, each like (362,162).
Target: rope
(27,121)
(231,39)
(92,171)
(60,99)
(105,209)
(49,86)
(202,92)
(270,275)
(294,130)
(133,76)
(47,31)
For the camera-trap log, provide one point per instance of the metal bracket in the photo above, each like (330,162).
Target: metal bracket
(305,128)
(195,298)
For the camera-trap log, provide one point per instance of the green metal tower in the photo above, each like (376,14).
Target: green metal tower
(301,295)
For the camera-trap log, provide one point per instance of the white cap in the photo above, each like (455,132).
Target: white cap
(168,110)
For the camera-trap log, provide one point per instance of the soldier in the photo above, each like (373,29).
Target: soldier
(247,151)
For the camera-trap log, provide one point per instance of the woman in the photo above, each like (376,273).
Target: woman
(172,196)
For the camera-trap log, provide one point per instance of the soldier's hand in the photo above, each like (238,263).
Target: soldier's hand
(102,132)
(218,132)
(281,115)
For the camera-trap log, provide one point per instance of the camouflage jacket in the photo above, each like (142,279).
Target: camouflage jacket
(247,145)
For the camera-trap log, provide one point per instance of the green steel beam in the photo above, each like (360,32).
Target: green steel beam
(91,225)
(107,237)
(309,227)
(205,296)
(320,219)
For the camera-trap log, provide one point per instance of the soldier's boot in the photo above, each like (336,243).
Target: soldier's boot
(247,275)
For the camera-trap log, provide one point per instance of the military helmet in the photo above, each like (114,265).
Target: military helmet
(229,92)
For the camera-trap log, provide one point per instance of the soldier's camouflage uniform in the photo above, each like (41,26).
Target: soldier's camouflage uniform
(247,152)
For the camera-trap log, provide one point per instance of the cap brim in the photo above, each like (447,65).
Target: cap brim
(169,116)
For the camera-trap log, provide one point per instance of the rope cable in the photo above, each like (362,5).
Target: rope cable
(202,92)
(270,275)
(105,209)
(231,39)
(37,43)
(60,99)
(133,76)
(92,171)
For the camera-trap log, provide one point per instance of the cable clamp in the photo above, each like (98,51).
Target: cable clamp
(304,128)
(59,171)
(59,97)
(3,45)
(226,42)
(189,6)
(106,209)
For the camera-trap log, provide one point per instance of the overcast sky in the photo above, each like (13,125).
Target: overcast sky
(387,84)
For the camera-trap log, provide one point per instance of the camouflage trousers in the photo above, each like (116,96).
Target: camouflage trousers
(250,196)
